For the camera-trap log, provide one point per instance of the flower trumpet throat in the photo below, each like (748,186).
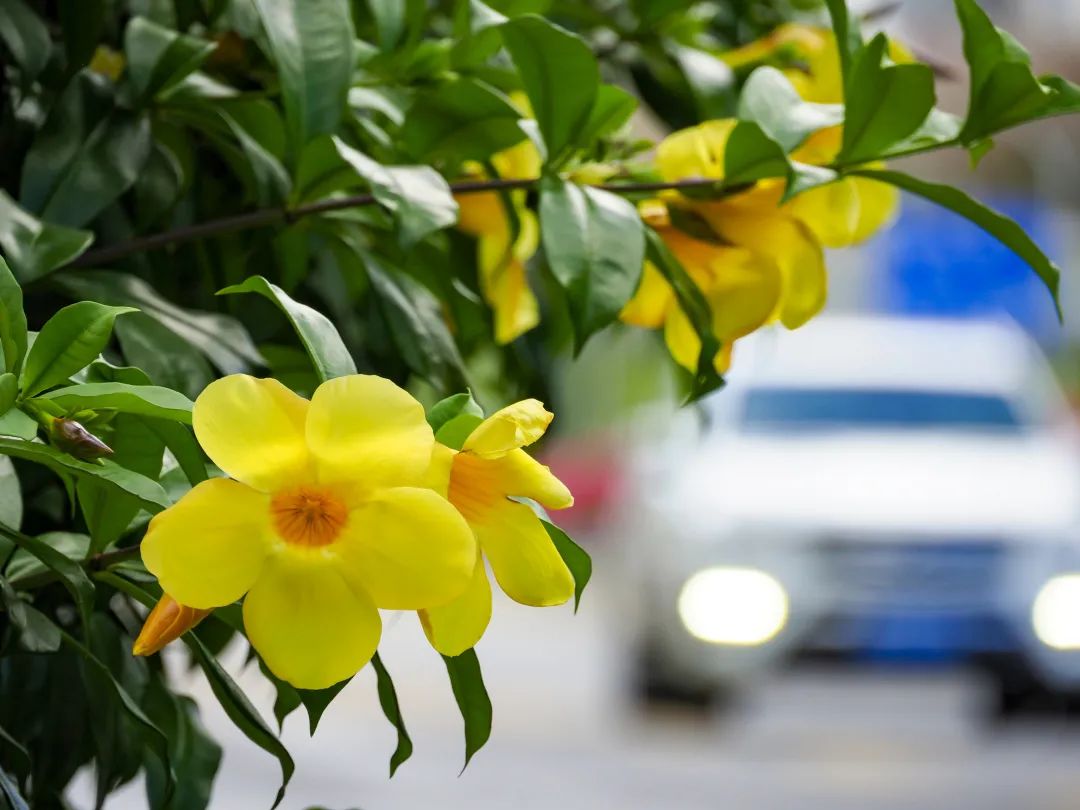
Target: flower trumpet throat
(307,516)
(166,622)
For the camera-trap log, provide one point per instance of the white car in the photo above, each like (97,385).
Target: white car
(877,488)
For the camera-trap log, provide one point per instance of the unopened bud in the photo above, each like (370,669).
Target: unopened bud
(167,622)
(71,437)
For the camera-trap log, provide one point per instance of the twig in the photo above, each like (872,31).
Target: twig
(264,217)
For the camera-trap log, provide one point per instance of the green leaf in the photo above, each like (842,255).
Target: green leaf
(26,37)
(9,391)
(389,701)
(68,342)
(181,442)
(88,153)
(239,709)
(454,433)
(751,155)
(168,360)
(35,248)
(848,39)
(1004,91)
(25,566)
(16,752)
(472,700)
(560,75)
(444,410)
(320,337)
(415,321)
(997,225)
(575,557)
(221,338)
(155,739)
(711,80)
(884,105)
(11,501)
(136,447)
(769,100)
(195,756)
(145,400)
(316,701)
(17,423)
(417,197)
(149,493)
(12,320)
(312,44)
(595,246)
(158,58)
(460,119)
(68,571)
(612,108)
(939,128)
(81,22)
(36,632)
(696,308)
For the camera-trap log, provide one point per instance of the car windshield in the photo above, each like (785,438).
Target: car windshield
(783,408)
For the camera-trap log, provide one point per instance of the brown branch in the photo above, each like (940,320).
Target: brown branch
(103,560)
(265,217)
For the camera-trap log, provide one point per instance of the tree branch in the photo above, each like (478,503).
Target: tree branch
(265,217)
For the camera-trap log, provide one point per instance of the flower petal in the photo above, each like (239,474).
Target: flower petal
(682,340)
(651,301)
(514,426)
(525,561)
(307,623)
(408,548)
(208,548)
(254,430)
(365,430)
(696,151)
(503,279)
(878,203)
(790,244)
(478,484)
(456,626)
(831,212)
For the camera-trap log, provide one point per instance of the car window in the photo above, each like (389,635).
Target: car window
(785,408)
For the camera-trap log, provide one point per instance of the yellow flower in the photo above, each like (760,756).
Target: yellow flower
(326,517)
(166,622)
(481,481)
(501,255)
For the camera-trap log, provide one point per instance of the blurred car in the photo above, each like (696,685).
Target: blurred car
(879,489)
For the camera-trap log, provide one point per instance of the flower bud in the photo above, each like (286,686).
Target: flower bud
(71,437)
(167,622)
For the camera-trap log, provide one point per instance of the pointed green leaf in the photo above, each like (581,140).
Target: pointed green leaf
(452,407)
(35,248)
(158,58)
(388,700)
(472,699)
(12,320)
(770,100)
(144,400)
(149,493)
(595,245)
(1005,230)
(36,632)
(319,336)
(460,119)
(312,44)
(26,37)
(696,309)
(848,39)
(575,557)
(68,342)
(884,104)
(560,76)
(417,197)
(68,571)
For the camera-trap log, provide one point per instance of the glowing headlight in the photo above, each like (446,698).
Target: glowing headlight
(1055,615)
(739,606)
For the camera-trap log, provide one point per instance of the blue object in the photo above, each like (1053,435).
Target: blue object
(934,262)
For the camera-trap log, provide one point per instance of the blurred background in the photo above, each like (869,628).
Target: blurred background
(845,581)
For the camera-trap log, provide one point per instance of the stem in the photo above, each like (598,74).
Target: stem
(264,217)
(106,558)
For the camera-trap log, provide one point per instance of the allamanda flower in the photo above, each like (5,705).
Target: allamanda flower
(481,480)
(324,519)
(502,255)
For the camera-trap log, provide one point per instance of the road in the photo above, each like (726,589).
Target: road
(565,736)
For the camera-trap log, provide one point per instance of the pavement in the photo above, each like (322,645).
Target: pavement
(568,735)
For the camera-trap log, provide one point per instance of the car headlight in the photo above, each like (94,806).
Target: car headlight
(737,606)
(1055,614)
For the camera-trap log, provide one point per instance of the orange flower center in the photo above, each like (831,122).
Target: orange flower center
(307,516)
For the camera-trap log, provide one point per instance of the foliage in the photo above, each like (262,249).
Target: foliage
(446,194)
